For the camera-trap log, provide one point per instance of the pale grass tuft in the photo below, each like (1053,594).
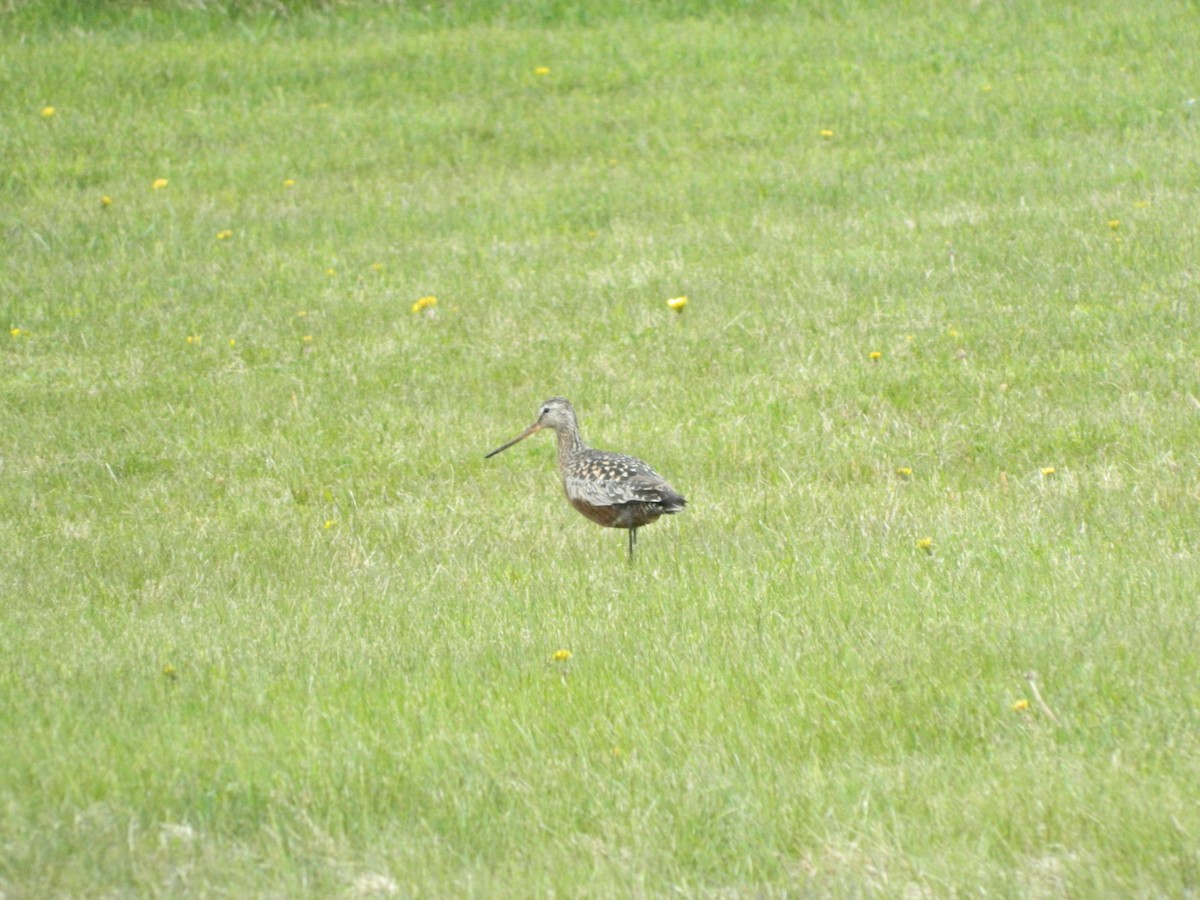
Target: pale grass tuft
(176,832)
(373,884)
(1031,679)
(1047,876)
(854,871)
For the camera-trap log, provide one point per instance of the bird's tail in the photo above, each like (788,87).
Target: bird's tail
(672,503)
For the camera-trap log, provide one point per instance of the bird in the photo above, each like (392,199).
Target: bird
(611,489)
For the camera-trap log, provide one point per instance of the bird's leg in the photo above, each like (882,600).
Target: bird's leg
(632,541)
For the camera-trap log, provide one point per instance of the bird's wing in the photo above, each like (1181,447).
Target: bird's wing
(646,487)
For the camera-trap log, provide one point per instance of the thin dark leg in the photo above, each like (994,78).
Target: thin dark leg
(632,541)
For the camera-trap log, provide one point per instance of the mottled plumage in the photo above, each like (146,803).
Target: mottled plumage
(611,489)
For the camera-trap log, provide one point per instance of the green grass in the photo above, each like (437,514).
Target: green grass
(271,625)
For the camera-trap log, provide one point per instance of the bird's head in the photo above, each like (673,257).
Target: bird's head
(556,413)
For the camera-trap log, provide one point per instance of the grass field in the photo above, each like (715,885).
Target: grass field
(272,626)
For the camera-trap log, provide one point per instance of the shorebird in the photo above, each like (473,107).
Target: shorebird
(611,489)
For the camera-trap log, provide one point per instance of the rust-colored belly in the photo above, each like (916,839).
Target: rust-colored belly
(634,514)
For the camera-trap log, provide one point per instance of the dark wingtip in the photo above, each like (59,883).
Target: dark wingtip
(674,504)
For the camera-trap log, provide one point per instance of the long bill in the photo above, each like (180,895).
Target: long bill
(536,426)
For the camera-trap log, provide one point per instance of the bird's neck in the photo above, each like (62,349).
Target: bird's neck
(569,443)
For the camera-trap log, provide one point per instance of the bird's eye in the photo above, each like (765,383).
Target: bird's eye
(545,409)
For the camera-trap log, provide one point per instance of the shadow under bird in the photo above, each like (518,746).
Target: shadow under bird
(611,489)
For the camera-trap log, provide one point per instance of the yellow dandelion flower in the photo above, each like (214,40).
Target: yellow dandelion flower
(1114,224)
(562,655)
(424,303)
(904,471)
(302,313)
(376,267)
(169,672)
(1048,471)
(986,88)
(826,132)
(329,523)
(193,338)
(542,70)
(953,332)
(48,112)
(289,182)
(158,184)
(17,332)
(875,356)
(307,339)
(1141,204)
(926,544)
(224,235)
(233,342)
(330,272)
(677,303)
(1021,705)
(106,200)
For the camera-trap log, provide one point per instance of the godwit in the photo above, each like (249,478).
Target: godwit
(611,489)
